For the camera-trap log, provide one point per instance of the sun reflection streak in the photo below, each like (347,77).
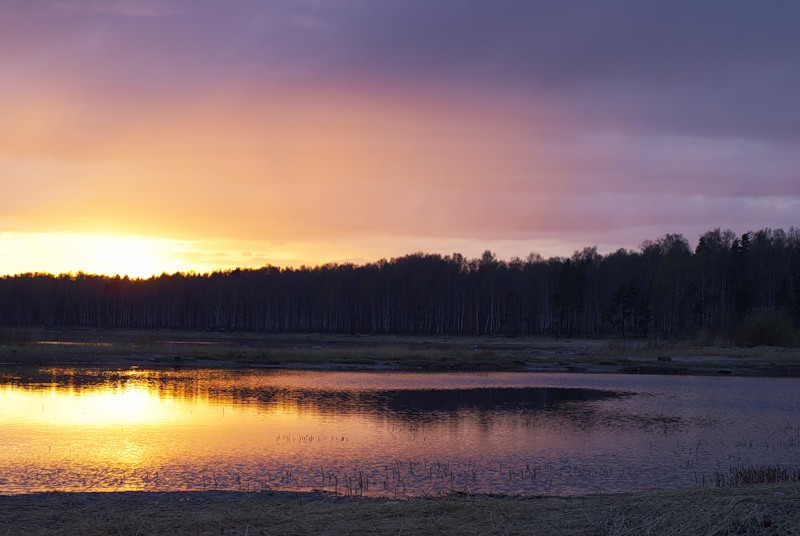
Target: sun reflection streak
(121,405)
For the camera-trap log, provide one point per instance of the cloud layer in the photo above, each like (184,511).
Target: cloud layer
(360,129)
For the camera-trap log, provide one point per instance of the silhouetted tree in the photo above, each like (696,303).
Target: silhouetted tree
(664,288)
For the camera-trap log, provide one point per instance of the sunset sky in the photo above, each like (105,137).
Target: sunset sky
(142,136)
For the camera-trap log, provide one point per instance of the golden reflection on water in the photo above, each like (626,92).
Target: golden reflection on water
(130,430)
(129,404)
(92,429)
(73,429)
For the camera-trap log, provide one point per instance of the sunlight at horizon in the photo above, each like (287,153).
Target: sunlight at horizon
(124,255)
(133,256)
(137,256)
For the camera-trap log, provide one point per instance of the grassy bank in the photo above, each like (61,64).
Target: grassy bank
(152,348)
(766,509)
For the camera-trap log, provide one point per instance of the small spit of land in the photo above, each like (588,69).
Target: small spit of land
(28,346)
(758,509)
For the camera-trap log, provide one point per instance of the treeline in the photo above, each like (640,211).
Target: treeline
(726,285)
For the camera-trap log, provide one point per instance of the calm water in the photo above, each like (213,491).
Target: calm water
(394,434)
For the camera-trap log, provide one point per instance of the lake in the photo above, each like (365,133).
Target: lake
(385,434)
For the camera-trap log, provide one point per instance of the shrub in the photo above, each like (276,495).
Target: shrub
(766,327)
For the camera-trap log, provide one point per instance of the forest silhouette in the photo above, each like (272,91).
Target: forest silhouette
(733,288)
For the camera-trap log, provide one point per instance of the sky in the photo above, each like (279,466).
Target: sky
(148,136)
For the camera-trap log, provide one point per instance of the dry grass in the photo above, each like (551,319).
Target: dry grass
(143,347)
(772,509)
(757,474)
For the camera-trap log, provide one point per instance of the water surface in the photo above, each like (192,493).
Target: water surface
(395,434)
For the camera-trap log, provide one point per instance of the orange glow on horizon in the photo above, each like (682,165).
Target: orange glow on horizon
(342,179)
(56,253)
(327,177)
(144,256)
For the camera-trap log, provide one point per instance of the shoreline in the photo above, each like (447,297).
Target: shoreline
(755,509)
(154,349)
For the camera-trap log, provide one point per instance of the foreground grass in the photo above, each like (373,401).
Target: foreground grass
(142,347)
(765,509)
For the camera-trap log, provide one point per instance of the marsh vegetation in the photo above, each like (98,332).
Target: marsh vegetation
(104,347)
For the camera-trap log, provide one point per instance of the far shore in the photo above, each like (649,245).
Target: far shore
(218,349)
